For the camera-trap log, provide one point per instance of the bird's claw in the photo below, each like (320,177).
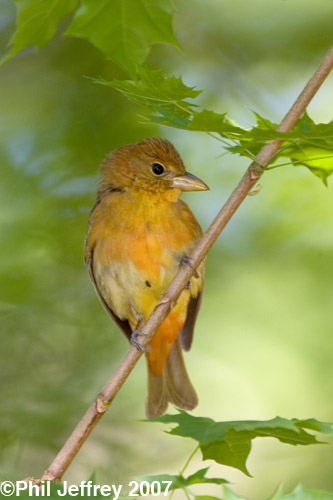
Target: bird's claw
(186,260)
(134,341)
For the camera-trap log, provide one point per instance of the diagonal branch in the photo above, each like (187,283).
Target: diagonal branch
(251,176)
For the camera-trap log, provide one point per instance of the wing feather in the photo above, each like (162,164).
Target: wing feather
(122,324)
(186,334)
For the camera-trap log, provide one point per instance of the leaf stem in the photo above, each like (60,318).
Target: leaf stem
(181,472)
(186,494)
(299,162)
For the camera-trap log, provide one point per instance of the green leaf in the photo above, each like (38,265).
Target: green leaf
(209,121)
(308,144)
(229,443)
(36,22)
(319,161)
(316,425)
(180,482)
(319,134)
(124,30)
(313,147)
(166,96)
(301,493)
(154,90)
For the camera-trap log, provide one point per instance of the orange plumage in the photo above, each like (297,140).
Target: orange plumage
(138,233)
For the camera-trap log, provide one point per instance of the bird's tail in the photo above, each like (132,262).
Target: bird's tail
(172,386)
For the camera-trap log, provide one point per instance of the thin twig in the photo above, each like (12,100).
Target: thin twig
(251,176)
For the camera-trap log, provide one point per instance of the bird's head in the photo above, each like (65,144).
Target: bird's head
(152,165)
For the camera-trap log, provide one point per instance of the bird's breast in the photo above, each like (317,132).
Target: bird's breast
(152,235)
(137,248)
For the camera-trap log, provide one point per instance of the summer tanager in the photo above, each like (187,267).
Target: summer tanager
(139,233)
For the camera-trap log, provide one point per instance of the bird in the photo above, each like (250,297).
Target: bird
(139,233)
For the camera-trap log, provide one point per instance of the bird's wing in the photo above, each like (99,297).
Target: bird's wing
(186,333)
(122,324)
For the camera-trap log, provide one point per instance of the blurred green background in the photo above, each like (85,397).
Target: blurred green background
(263,344)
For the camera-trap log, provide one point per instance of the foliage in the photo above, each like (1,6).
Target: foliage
(229,443)
(160,100)
(37,22)
(122,30)
(308,144)
(180,482)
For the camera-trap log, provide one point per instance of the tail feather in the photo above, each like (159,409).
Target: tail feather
(157,397)
(172,386)
(180,389)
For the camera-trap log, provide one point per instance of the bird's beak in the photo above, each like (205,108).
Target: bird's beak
(189,182)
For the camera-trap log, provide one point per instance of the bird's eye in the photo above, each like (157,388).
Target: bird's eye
(157,169)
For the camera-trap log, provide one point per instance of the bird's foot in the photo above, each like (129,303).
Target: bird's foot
(187,261)
(134,341)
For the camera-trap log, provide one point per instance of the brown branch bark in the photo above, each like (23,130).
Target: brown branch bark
(251,176)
